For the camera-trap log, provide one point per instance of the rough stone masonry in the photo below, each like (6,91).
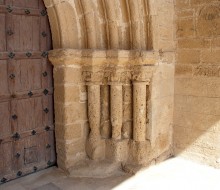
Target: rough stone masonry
(117,97)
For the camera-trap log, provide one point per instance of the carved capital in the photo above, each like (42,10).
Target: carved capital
(91,76)
(117,75)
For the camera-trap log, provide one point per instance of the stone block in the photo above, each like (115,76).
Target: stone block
(185,13)
(208,21)
(50,3)
(68,114)
(216,43)
(200,105)
(68,149)
(66,164)
(139,152)
(199,86)
(185,28)
(163,89)
(95,169)
(116,150)
(162,108)
(201,2)
(51,11)
(70,37)
(67,75)
(182,4)
(167,44)
(163,142)
(181,137)
(95,149)
(67,93)
(210,56)
(194,43)
(188,57)
(69,132)
(183,70)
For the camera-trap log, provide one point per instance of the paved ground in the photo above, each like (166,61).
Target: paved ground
(175,174)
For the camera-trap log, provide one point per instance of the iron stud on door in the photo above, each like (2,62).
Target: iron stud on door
(11,55)
(35,168)
(16,136)
(44,73)
(9,9)
(47,128)
(10,32)
(27,11)
(19,173)
(28,54)
(18,155)
(12,76)
(3,180)
(49,163)
(44,34)
(48,146)
(14,117)
(13,96)
(43,13)
(46,110)
(30,94)
(45,91)
(33,132)
(44,54)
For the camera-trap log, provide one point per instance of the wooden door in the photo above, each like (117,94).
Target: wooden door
(26,100)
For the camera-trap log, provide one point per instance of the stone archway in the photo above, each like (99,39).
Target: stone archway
(101,24)
(135,46)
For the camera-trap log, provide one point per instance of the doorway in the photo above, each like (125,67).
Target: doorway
(26,89)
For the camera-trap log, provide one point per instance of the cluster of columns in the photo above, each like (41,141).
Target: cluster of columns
(116,110)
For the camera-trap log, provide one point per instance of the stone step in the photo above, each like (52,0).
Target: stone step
(96,169)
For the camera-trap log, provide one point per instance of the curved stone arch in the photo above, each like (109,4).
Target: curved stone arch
(100,24)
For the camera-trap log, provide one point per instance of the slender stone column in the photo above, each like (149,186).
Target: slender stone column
(139,111)
(106,130)
(95,146)
(94,110)
(116,110)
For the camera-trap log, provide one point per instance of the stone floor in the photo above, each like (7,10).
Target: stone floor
(175,173)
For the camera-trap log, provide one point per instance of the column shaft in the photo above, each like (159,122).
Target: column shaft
(139,111)
(116,110)
(94,110)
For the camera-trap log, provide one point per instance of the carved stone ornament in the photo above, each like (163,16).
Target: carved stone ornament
(116,75)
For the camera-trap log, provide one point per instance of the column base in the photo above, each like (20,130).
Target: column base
(95,149)
(117,150)
(139,152)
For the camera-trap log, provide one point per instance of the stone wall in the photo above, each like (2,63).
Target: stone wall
(197,84)
(82,31)
(149,25)
(114,106)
